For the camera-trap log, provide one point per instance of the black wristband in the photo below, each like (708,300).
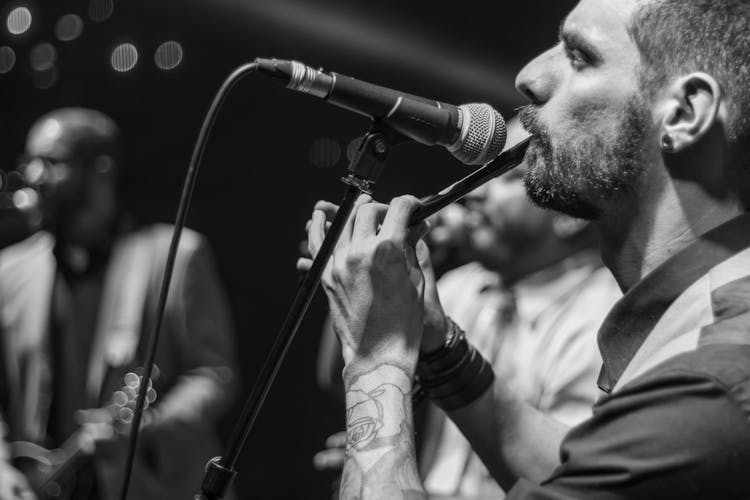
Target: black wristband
(455,374)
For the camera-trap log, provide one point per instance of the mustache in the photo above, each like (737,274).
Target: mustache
(529,117)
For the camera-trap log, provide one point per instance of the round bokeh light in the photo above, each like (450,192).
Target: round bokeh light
(7,59)
(43,56)
(101,10)
(46,78)
(124,57)
(68,27)
(168,55)
(325,152)
(19,20)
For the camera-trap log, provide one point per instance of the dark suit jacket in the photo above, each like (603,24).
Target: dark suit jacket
(195,354)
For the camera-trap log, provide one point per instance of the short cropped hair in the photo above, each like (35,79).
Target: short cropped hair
(712,36)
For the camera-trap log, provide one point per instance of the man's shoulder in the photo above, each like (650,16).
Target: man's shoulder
(160,237)
(709,384)
(725,364)
(680,430)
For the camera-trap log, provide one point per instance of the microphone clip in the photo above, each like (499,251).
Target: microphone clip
(368,160)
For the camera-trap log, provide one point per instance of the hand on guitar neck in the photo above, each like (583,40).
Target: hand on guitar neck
(50,473)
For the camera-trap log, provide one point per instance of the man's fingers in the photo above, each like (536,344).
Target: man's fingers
(337,440)
(329,459)
(397,218)
(304,264)
(328,208)
(316,232)
(346,233)
(417,232)
(367,220)
(423,257)
(92,415)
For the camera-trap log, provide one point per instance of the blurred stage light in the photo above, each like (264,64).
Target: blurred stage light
(25,199)
(7,59)
(42,56)
(19,20)
(101,10)
(168,55)
(325,153)
(124,57)
(45,78)
(68,27)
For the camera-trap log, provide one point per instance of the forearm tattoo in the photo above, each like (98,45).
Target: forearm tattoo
(380,455)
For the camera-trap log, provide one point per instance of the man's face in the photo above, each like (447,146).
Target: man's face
(502,224)
(588,118)
(78,197)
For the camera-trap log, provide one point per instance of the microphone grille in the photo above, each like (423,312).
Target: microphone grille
(483,134)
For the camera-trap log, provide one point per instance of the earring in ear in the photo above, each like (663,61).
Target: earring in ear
(667,143)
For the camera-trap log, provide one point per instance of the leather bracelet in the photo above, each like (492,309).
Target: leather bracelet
(479,385)
(455,374)
(447,355)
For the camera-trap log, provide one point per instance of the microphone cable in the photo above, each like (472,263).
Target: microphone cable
(187,193)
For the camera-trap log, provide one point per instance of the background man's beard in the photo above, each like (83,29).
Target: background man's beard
(582,172)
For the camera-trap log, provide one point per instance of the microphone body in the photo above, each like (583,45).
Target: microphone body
(473,133)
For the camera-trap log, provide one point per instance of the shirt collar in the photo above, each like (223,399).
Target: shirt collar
(633,317)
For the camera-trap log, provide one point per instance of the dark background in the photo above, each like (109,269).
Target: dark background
(265,164)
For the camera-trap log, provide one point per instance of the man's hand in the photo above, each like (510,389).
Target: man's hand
(13,484)
(373,281)
(334,455)
(435,322)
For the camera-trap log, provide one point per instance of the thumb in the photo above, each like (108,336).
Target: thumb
(425,262)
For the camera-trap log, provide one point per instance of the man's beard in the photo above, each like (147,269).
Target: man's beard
(582,172)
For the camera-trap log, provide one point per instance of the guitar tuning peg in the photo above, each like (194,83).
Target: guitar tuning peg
(132,380)
(120,399)
(151,395)
(125,415)
(130,392)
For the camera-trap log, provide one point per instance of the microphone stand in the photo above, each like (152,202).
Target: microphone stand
(364,170)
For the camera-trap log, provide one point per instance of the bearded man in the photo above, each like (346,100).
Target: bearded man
(640,117)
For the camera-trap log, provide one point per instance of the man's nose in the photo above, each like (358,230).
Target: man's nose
(536,81)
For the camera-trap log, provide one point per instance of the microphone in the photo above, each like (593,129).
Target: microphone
(474,133)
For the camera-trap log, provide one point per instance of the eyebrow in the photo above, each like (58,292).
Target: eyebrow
(577,40)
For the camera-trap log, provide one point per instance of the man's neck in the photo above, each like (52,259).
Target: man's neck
(637,242)
(538,257)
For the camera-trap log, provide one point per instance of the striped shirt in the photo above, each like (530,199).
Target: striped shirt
(673,420)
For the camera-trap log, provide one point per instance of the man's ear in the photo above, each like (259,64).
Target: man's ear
(693,103)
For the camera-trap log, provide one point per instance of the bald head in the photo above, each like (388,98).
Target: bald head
(74,134)
(72,154)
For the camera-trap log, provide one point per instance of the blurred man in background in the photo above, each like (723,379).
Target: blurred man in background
(532,303)
(77,304)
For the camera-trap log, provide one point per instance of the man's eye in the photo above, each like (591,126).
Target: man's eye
(577,58)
